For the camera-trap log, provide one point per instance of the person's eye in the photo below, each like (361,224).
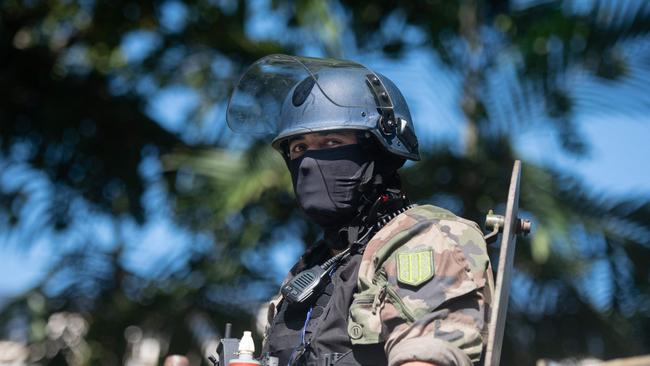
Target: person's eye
(298,148)
(333,142)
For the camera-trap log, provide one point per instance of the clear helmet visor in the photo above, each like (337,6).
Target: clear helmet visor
(273,91)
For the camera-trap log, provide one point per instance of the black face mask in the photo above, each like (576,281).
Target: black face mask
(328,183)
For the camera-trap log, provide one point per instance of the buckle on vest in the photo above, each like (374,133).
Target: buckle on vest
(330,359)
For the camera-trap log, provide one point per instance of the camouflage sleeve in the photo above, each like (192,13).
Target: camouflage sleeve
(433,281)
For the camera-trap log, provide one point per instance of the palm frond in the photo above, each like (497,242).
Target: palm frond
(235,179)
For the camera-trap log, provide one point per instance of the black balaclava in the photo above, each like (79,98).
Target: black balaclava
(329,182)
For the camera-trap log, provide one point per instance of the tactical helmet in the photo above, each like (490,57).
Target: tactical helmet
(287,95)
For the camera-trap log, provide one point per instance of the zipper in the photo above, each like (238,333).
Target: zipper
(378,301)
(394,297)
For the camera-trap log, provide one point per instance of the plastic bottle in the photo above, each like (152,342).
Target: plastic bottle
(246,350)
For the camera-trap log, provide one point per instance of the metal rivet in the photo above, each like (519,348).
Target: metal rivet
(523,226)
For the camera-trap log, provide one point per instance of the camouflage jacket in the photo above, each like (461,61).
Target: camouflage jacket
(424,288)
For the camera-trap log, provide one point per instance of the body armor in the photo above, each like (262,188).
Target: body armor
(326,340)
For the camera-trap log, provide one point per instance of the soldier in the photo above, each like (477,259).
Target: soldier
(390,282)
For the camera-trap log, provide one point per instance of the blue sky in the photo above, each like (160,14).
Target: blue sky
(616,162)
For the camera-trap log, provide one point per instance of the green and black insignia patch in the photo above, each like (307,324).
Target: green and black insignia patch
(415,268)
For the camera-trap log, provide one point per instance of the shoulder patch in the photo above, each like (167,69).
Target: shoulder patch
(416,267)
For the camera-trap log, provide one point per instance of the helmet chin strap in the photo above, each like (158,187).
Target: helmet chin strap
(376,203)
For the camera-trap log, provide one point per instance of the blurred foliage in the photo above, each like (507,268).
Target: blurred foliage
(78,141)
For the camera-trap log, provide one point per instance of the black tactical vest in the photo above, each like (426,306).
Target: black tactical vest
(322,340)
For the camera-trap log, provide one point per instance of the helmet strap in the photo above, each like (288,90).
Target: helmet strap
(377,204)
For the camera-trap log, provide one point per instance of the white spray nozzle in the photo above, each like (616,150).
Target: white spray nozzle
(246,345)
